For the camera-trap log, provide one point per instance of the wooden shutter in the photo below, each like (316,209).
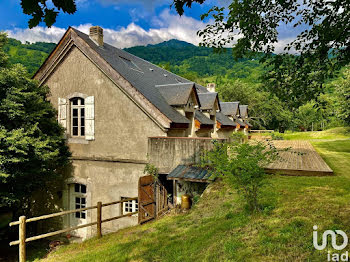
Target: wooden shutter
(62,112)
(89,118)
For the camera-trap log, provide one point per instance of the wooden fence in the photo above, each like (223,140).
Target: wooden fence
(261,131)
(23,221)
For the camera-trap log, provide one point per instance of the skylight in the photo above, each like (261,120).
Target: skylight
(130,64)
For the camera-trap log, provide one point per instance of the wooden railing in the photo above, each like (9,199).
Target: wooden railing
(23,221)
(262,131)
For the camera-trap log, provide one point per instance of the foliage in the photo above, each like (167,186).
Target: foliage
(29,55)
(242,165)
(41,12)
(343,90)
(265,109)
(294,80)
(253,26)
(307,116)
(33,153)
(151,170)
(276,136)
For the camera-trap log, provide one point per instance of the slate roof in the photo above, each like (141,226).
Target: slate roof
(207,100)
(224,120)
(240,122)
(229,108)
(176,94)
(142,75)
(202,118)
(190,173)
(247,123)
(243,109)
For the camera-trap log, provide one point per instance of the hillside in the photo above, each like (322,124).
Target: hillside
(29,55)
(183,58)
(177,56)
(219,229)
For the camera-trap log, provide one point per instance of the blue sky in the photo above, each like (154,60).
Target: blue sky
(126,22)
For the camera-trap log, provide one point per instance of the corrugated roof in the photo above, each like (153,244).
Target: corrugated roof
(176,94)
(202,118)
(190,173)
(224,120)
(143,75)
(243,109)
(229,108)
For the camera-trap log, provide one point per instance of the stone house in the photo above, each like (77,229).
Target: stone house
(111,103)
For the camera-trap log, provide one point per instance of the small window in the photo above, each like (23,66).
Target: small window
(130,206)
(77,117)
(80,200)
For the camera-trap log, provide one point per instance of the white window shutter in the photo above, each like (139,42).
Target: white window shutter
(62,112)
(89,118)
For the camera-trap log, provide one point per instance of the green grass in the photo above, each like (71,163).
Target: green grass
(334,133)
(219,229)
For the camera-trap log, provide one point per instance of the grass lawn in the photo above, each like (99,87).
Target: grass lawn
(334,133)
(219,229)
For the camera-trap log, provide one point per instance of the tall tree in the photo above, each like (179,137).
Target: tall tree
(252,25)
(33,153)
(343,91)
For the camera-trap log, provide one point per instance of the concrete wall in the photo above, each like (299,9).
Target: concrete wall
(167,153)
(225,133)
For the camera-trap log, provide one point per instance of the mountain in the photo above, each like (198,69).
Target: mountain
(180,57)
(29,55)
(174,43)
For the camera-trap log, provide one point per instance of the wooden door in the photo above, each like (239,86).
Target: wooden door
(147,199)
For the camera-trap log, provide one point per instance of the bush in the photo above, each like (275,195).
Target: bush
(242,165)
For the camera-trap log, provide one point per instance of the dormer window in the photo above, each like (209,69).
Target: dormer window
(77,105)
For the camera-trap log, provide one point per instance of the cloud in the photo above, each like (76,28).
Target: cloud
(165,27)
(37,34)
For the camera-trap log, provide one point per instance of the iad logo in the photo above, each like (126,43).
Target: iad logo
(332,234)
(333,238)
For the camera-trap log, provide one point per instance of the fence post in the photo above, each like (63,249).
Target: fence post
(99,219)
(22,239)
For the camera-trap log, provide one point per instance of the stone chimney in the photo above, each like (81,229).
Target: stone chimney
(211,87)
(96,34)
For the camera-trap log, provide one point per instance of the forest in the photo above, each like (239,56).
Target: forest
(275,95)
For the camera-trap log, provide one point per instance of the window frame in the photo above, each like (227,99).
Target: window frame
(81,115)
(133,204)
(80,193)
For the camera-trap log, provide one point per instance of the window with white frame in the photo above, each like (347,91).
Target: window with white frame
(77,105)
(80,200)
(129,206)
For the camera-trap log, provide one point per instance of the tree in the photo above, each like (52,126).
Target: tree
(308,116)
(343,90)
(294,80)
(33,152)
(41,12)
(252,25)
(265,109)
(241,165)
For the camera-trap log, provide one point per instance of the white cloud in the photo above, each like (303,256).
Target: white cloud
(37,34)
(165,27)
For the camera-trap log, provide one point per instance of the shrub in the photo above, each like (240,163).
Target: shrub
(242,165)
